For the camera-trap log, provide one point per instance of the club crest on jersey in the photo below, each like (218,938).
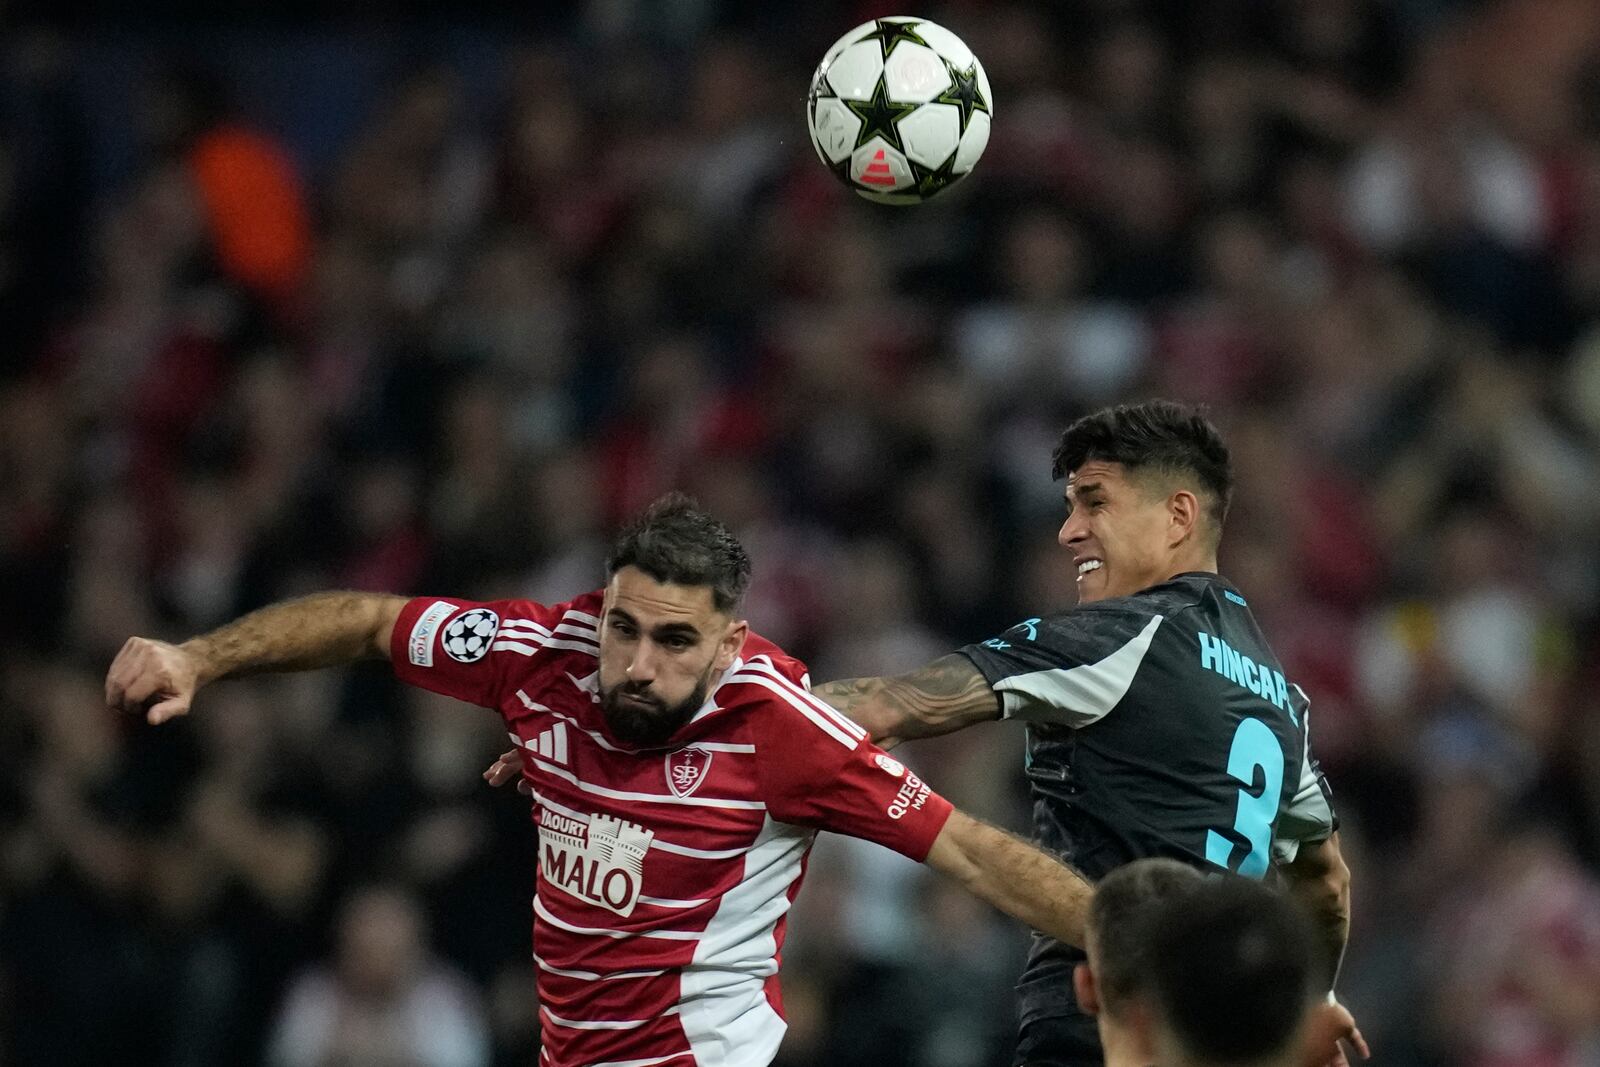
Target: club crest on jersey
(466,637)
(890,765)
(686,769)
(600,862)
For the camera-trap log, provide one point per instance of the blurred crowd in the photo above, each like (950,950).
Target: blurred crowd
(285,309)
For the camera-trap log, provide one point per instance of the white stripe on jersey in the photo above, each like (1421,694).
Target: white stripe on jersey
(664,902)
(652,1062)
(601,931)
(580,631)
(533,705)
(843,721)
(529,631)
(602,1024)
(721,746)
(528,650)
(822,722)
(730,1023)
(664,846)
(655,798)
(591,976)
(581,616)
(528,626)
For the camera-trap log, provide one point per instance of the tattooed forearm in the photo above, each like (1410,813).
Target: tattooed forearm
(946,695)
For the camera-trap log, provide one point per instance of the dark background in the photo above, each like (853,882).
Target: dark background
(420,297)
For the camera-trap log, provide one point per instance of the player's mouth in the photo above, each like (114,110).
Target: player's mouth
(641,701)
(1088,566)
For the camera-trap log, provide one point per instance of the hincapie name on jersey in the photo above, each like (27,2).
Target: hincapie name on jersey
(1266,683)
(600,861)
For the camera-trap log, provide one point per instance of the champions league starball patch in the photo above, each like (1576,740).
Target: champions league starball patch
(467,636)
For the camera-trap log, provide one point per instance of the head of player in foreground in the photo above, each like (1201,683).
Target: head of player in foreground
(669,626)
(1234,973)
(1147,490)
(1111,986)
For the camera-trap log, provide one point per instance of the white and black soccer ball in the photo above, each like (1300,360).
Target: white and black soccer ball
(467,636)
(899,109)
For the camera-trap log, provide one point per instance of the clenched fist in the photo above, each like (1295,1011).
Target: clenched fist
(152,677)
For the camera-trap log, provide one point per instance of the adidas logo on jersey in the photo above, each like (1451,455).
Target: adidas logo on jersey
(600,861)
(551,744)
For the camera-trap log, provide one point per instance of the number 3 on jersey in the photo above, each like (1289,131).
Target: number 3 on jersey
(1254,745)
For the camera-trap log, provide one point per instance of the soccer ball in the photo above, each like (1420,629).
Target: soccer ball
(468,635)
(899,109)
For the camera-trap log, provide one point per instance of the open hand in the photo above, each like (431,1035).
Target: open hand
(504,769)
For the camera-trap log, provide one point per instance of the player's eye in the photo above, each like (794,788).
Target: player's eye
(677,643)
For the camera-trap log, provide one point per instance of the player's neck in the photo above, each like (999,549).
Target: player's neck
(1192,561)
(1122,1047)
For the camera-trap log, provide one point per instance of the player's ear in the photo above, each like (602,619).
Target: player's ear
(1183,515)
(1083,985)
(732,641)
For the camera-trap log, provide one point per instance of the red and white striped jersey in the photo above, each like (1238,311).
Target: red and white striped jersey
(665,875)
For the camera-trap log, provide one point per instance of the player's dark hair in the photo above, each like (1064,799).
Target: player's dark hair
(674,541)
(1119,918)
(1159,435)
(1232,968)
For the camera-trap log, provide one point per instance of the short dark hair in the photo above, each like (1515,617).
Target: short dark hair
(1119,916)
(674,541)
(1232,969)
(1171,438)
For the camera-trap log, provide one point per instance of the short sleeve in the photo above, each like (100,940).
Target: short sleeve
(818,769)
(473,651)
(1071,668)
(1309,816)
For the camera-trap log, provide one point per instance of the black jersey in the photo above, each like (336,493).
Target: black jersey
(1159,724)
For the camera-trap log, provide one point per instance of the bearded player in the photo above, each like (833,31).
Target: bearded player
(680,769)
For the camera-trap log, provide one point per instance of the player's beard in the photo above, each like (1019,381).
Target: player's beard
(655,725)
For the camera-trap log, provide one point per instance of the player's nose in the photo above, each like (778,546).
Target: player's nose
(641,668)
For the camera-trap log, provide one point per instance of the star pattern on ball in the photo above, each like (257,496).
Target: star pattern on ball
(888,34)
(931,180)
(965,93)
(880,116)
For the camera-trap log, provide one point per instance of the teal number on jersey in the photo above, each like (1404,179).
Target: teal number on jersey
(1254,745)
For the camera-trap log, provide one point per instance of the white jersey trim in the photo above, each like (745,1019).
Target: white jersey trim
(528,650)
(593,976)
(1077,696)
(602,1024)
(654,798)
(723,1006)
(602,931)
(844,722)
(651,1062)
(822,722)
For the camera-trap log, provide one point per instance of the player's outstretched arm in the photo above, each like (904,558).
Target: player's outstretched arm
(947,694)
(321,630)
(1019,878)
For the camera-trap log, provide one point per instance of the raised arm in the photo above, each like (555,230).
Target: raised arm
(947,694)
(321,630)
(1018,878)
